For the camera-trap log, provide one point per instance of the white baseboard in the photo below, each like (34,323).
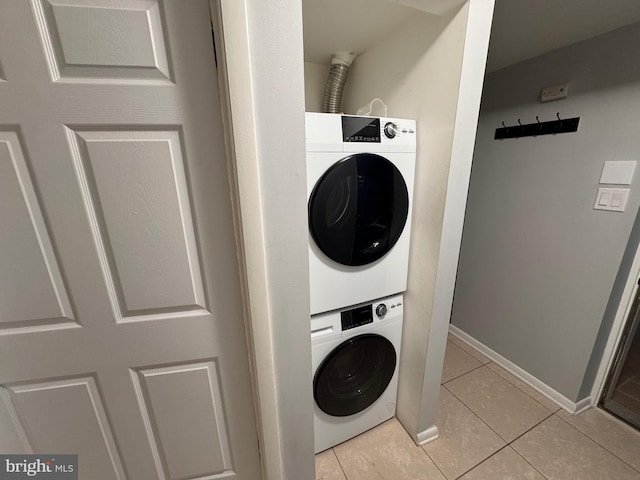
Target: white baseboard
(552,394)
(582,405)
(429,435)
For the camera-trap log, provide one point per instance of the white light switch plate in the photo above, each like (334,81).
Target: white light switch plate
(611,199)
(618,173)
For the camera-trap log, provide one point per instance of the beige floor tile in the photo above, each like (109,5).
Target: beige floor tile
(532,392)
(560,452)
(614,435)
(504,465)
(502,406)
(385,453)
(327,466)
(481,357)
(463,439)
(457,362)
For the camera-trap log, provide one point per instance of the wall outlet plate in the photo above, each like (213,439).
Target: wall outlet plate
(554,92)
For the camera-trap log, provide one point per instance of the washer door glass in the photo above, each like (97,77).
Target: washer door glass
(354,375)
(358,209)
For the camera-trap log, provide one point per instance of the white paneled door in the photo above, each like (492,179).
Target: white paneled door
(121,329)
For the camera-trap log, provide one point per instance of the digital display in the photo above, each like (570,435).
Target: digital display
(360,129)
(356,317)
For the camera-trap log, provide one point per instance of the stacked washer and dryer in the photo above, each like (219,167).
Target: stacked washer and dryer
(360,175)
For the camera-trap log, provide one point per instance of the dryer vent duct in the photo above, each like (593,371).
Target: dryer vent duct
(332,101)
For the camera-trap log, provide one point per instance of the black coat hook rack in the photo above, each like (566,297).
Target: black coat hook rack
(553,127)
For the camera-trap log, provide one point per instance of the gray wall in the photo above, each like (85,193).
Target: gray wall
(538,264)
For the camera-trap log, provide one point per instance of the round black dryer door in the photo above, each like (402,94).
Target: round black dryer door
(358,209)
(354,375)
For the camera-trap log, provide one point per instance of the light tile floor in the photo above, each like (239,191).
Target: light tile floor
(492,426)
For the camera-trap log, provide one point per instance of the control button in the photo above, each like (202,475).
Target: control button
(381,310)
(390,129)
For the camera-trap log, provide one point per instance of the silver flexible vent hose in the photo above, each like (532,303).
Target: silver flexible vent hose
(332,101)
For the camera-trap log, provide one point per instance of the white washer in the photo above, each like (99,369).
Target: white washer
(355,357)
(360,174)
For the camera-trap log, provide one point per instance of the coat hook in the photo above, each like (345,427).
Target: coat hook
(537,119)
(558,115)
(503,124)
(519,122)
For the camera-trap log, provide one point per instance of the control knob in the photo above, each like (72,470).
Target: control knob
(381,310)
(390,129)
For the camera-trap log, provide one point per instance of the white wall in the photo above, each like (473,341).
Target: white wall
(315,77)
(538,263)
(416,72)
(262,79)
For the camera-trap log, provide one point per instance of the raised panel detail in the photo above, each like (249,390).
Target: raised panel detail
(32,292)
(13,439)
(68,416)
(103,39)
(183,406)
(136,190)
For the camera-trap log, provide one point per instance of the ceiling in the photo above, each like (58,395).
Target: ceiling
(522,29)
(332,26)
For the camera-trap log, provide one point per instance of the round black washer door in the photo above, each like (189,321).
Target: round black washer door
(354,375)
(358,209)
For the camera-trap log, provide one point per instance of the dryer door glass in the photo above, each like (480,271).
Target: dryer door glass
(358,209)
(354,375)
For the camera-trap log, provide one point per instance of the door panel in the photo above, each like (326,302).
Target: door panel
(146,235)
(33,293)
(59,413)
(125,41)
(121,325)
(187,427)
(13,439)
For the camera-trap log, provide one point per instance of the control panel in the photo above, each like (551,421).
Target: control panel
(364,314)
(336,324)
(374,130)
(356,317)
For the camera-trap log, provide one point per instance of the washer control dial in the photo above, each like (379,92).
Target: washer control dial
(381,310)
(390,129)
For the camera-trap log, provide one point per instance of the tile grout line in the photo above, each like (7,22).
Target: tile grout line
(520,436)
(532,427)
(463,374)
(466,353)
(491,361)
(421,447)
(522,390)
(527,461)
(434,462)
(507,443)
(500,436)
(469,353)
(477,416)
(598,443)
(339,464)
(478,464)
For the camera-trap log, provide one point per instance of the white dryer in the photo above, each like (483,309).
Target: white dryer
(360,173)
(355,356)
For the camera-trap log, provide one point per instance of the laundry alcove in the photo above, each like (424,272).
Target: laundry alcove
(425,59)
